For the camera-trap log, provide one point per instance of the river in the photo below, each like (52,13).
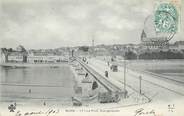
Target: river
(36,83)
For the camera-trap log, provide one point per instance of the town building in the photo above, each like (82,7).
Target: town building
(154,42)
(3,56)
(21,55)
(180,45)
(11,55)
(46,56)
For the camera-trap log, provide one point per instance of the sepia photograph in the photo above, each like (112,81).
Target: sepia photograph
(91,57)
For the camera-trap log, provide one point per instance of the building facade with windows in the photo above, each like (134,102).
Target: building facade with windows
(46,57)
(11,55)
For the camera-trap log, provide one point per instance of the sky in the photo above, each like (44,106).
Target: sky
(56,23)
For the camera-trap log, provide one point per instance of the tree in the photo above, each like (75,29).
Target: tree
(130,55)
(84,48)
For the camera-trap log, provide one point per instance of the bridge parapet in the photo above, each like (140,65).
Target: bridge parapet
(114,93)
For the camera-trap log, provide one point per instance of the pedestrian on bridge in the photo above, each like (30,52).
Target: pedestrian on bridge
(106,73)
(86,75)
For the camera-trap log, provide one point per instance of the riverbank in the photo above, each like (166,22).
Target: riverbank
(151,86)
(24,65)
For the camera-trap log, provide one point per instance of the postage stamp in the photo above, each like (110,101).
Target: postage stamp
(166,18)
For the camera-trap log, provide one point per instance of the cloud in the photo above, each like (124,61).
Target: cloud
(117,22)
(53,23)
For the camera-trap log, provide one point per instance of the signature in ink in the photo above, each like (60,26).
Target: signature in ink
(141,111)
(47,113)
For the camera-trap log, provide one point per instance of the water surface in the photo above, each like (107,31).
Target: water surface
(36,83)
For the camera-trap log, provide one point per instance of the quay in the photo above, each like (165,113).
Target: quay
(153,88)
(24,65)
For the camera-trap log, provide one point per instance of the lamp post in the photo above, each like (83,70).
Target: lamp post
(125,76)
(140,79)
(93,45)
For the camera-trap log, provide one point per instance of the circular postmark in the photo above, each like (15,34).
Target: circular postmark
(166,18)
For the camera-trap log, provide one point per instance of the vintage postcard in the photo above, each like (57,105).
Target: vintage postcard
(91,57)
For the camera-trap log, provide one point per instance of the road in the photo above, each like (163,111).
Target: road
(155,88)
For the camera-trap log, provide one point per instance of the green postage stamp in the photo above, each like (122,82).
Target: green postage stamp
(166,18)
